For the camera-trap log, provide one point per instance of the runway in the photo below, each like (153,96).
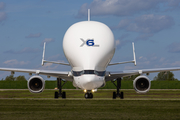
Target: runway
(97,99)
(98,89)
(102,94)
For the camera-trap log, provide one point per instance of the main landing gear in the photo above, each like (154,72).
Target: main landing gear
(60,93)
(118,86)
(88,95)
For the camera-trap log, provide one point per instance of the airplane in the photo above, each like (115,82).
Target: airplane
(89,47)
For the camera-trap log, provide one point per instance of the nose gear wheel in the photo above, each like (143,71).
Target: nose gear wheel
(88,95)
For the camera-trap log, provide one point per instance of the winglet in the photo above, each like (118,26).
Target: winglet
(134,54)
(43,54)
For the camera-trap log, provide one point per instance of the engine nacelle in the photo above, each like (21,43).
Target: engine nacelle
(142,84)
(36,84)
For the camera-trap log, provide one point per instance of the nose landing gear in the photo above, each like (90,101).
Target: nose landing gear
(88,95)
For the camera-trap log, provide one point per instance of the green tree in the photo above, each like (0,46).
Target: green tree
(20,78)
(165,76)
(10,78)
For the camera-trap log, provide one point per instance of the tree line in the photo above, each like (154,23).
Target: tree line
(169,76)
(12,78)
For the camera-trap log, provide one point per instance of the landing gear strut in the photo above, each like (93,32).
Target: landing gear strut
(118,86)
(88,95)
(60,93)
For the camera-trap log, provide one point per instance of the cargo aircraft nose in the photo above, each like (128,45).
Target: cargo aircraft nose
(92,82)
(89,79)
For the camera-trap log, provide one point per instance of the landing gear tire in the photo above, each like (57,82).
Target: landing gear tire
(56,95)
(122,95)
(60,93)
(64,95)
(114,95)
(118,87)
(88,95)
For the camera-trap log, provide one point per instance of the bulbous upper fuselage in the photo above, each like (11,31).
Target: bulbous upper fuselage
(89,45)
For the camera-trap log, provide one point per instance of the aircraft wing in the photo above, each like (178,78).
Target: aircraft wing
(113,75)
(60,74)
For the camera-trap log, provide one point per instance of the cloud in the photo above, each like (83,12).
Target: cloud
(3,16)
(47,65)
(151,23)
(174,3)
(146,25)
(25,50)
(15,62)
(54,57)
(162,59)
(47,40)
(2,5)
(174,47)
(117,42)
(144,36)
(125,7)
(176,63)
(50,66)
(34,35)
(121,43)
(153,61)
(143,58)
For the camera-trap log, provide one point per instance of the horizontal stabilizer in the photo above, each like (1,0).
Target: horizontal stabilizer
(133,61)
(45,61)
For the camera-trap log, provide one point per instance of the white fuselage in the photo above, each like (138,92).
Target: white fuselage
(89,47)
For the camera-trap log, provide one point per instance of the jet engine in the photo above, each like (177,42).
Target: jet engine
(142,84)
(36,84)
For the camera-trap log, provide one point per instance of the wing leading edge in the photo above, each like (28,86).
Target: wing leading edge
(117,74)
(58,74)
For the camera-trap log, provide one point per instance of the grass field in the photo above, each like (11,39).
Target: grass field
(109,85)
(155,105)
(128,94)
(89,110)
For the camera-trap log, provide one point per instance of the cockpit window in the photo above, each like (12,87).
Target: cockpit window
(98,73)
(77,73)
(89,72)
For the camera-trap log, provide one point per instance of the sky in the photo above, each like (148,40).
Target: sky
(153,26)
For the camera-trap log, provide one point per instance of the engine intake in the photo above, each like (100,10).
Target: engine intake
(142,84)
(36,84)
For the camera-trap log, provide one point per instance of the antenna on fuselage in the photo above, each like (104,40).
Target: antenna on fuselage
(88,14)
